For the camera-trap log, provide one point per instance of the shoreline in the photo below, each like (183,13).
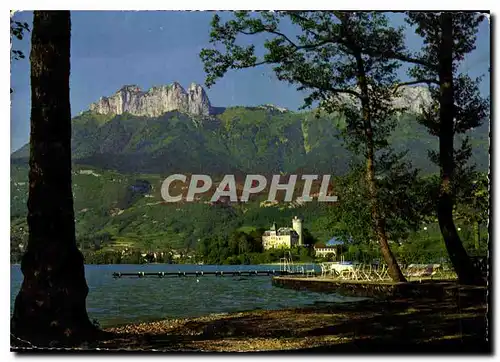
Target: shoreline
(417,324)
(277,263)
(198,265)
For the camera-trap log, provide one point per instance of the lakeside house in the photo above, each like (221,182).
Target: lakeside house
(331,247)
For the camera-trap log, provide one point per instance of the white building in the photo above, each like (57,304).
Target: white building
(284,237)
(324,252)
(297,226)
(331,247)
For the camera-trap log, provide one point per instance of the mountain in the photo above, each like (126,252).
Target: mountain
(167,129)
(120,160)
(156,101)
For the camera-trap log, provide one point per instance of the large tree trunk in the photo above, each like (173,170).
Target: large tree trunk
(466,272)
(51,303)
(377,217)
(392,264)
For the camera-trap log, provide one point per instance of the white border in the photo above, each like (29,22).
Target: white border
(253,5)
(184,5)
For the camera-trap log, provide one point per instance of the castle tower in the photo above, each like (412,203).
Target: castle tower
(297,226)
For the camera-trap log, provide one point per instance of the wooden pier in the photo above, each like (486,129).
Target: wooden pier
(222,273)
(435,289)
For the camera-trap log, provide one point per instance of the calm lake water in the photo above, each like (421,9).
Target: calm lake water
(132,300)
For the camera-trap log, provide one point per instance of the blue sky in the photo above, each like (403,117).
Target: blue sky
(147,48)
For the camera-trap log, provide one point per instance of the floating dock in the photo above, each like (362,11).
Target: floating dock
(222,273)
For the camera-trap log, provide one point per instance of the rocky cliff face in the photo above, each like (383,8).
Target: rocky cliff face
(411,98)
(155,101)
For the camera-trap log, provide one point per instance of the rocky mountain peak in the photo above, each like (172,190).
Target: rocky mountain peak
(156,101)
(274,107)
(410,98)
(130,88)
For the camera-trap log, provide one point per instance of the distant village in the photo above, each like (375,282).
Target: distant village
(279,238)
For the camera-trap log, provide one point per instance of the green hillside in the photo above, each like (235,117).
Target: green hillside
(117,211)
(121,161)
(248,140)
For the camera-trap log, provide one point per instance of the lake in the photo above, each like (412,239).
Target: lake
(131,300)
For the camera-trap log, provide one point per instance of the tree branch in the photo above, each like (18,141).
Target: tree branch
(408,59)
(303,19)
(328,88)
(347,91)
(253,65)
(267,30)
(297,47)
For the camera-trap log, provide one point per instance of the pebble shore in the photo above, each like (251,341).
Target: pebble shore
(357,326)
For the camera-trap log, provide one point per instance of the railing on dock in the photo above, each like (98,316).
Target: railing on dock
(221,273)
(287,265)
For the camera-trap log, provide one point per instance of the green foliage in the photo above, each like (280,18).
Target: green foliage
(469,109)
(403,202)
(236,248)
(17,30)
(473,200)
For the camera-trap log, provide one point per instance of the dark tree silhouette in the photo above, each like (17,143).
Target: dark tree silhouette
(457,107)
(51,303)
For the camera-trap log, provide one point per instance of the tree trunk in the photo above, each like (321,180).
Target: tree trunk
(392,264)
(50,306)
(477,234)
(466,272)
(378,220)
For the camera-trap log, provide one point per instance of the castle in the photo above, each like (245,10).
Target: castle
(284,237)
